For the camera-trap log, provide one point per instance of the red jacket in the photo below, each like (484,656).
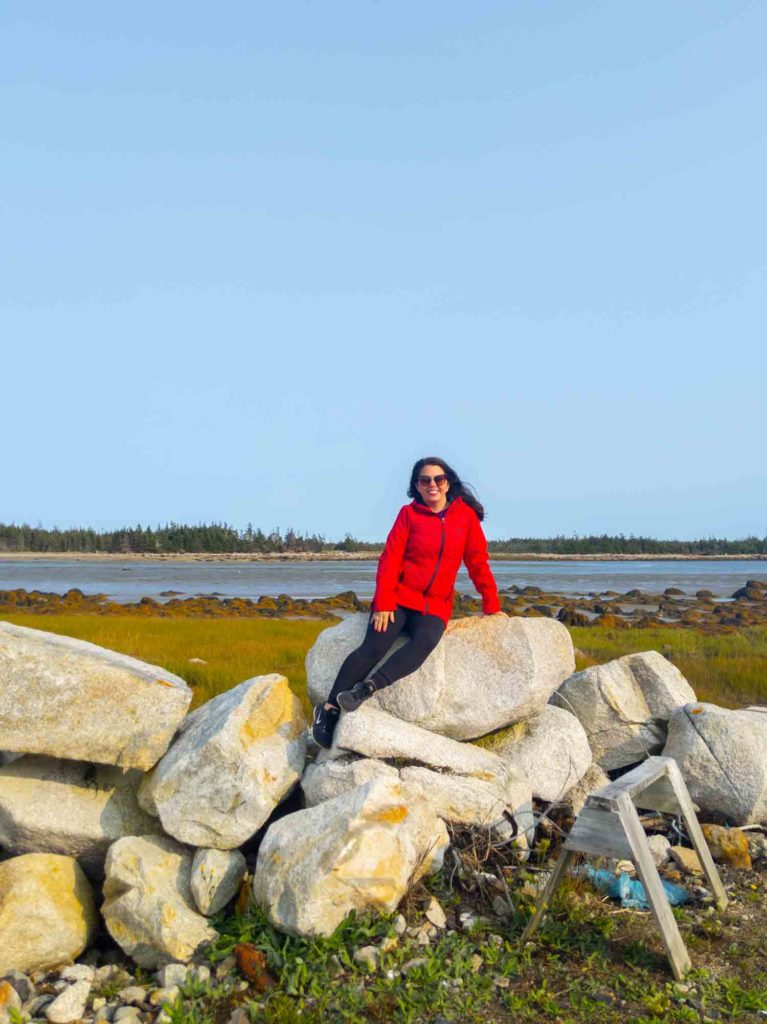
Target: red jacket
(423,554)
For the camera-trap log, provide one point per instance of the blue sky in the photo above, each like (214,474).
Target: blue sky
(258,258)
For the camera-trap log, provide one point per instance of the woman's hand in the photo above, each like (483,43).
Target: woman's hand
(381,620)
(489,614)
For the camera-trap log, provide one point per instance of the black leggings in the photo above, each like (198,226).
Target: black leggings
(425,633)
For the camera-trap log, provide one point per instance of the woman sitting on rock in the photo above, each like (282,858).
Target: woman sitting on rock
(414,587)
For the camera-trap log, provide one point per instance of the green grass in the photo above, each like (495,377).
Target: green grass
(587,965)
(724,668)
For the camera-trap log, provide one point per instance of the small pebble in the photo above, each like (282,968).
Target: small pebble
(36,1004)
(9,1000)
(400,925)
(410,965)
(21,983)
(70,1005)
(226,967)
(435,914)
(134,995)
(158,996)
(172,974)
(368,955)
(126,1013)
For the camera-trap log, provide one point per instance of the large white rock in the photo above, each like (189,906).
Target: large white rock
(72,699)
(455,798)
(216,878)
(723,757)
(234,760)
(596,778)
(331,778)
(47,912)
(48,805)
(374,733)
(148,904)
(359,852)
(515,664)
(468,801)
(624,705)
(551,751)
(662,684)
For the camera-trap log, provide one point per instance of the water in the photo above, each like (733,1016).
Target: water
(131,580)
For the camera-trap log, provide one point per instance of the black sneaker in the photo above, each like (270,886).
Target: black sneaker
(324,724)
(350,700)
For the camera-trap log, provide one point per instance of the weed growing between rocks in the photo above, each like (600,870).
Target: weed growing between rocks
(453,953)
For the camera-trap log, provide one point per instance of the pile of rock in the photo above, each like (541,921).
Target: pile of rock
(109,784)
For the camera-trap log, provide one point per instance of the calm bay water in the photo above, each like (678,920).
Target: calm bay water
(130,581)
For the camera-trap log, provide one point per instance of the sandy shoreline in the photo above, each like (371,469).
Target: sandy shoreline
(347,556)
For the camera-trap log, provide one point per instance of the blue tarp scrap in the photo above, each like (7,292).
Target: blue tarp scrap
(628,890)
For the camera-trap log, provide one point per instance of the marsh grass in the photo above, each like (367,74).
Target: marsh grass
(233,649)
(729,669)
(725,668)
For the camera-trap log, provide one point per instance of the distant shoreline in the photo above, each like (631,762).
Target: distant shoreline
(349,556)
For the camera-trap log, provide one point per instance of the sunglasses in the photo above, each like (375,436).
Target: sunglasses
(439,480)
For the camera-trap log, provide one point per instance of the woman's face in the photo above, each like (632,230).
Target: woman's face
(432,492)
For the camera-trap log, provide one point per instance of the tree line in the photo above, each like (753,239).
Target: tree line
(221,538)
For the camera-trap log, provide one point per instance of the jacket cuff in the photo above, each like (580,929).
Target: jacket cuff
(383,601)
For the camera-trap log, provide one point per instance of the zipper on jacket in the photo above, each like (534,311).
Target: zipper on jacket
(436,567)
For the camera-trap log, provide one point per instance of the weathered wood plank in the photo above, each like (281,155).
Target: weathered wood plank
(696,835)
(609,826)
(637,779)
(598,832)
(648,875)
(544,902)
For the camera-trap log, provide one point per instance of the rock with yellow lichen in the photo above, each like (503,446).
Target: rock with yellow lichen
(473,786)
(216,878)
(148,904)
(457,799)
(360,851)
(234,760)
(47,912)
(68,698)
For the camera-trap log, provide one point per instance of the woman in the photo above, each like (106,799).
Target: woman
(414,587)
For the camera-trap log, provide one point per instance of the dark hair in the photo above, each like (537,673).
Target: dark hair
(456,488)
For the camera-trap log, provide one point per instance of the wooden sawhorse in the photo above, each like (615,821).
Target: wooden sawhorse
(609,826)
